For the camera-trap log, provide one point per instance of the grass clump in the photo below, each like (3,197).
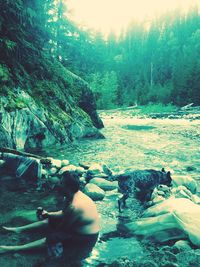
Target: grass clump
(157,108)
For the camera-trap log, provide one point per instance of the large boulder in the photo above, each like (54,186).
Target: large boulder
(29,121)
(174,218)
(186,181)
(84,98)
(94,192)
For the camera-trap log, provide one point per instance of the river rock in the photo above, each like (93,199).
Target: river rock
(96,170)
(82,183)
(44,172)
(53,181)
(181,245)
(189,258)
(67,168)
(64,162)
(2,162)
(195,199)
(80,170)
(85,165)
(187,181)
(104,184)
(52,171)
(181,191)
(190,168)
(93,191)
(56,163)
(107,170)
(113,194)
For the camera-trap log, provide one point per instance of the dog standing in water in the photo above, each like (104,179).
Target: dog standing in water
(140,184)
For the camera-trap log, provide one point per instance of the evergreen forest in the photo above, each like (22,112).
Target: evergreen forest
(157,61)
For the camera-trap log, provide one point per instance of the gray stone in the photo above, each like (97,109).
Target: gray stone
(95,169)
(54,180)
(104,184)
(186,181)
(94,192)
(35,126)
(67,168)
(52,171)
(57,163)
(182,245)
(44,172)
(190,168)
(65,162)
(2,162)
(80,170)
(113,194)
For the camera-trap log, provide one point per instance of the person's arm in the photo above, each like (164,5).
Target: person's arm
(54,215)
(67,215)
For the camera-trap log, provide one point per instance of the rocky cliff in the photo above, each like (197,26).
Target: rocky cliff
(49,112)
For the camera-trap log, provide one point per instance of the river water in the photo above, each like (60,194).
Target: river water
(135,143)
(130,142)
(140,144)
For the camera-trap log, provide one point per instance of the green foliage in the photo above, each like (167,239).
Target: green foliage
(40,44)
(4,74)
(159,93)
(13,101)
(10,45)
(105,88)
(159,65)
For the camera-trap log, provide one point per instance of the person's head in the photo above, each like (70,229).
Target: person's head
(69,183)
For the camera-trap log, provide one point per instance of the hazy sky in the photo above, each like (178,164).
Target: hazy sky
(106,15)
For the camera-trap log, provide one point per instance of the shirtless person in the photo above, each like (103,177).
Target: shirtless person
(76,226)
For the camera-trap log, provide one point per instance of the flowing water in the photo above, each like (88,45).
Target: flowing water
(129,142)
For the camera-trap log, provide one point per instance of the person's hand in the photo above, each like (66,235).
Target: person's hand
(45,214)
(41,213)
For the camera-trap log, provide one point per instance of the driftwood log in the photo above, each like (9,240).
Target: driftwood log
(24,154)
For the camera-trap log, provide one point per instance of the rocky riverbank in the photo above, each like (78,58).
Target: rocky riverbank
(130,142)
(48,113)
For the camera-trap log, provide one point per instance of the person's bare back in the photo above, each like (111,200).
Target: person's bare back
(85,214)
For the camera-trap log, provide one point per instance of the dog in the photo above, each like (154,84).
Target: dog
(140,184)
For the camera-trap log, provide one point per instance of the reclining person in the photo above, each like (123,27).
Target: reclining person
(74,227)
(28,168)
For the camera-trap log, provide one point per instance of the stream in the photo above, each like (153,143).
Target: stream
(130,142)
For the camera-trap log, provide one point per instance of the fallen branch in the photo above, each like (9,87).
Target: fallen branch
(186,107)
(25,154)
(116,109)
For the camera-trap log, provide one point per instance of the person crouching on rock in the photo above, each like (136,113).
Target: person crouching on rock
(71,231)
